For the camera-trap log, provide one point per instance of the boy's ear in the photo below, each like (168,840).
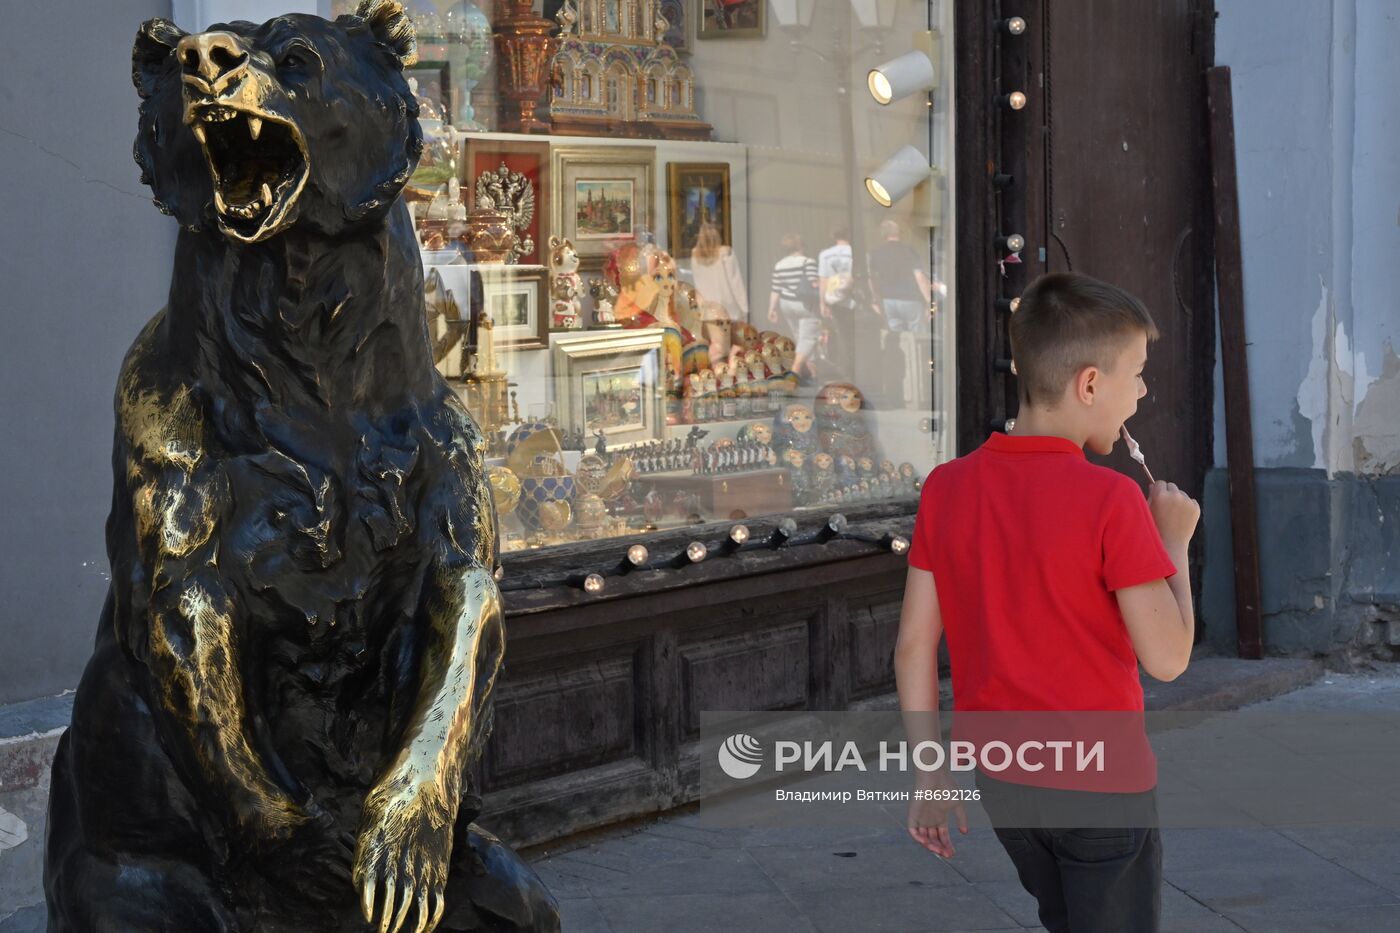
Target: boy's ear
(1086,384)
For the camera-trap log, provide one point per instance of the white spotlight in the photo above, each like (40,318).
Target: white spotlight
(898,176)
(909,73)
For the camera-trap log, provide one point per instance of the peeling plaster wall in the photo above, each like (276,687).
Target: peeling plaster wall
(84,262)
(1318,151)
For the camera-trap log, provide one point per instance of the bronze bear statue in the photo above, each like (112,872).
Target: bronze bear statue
(294,665)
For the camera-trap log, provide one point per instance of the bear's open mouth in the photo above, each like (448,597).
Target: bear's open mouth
(258,162)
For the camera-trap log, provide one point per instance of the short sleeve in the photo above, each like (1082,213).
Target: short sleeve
(921,547)
(1133,553)
(810,268)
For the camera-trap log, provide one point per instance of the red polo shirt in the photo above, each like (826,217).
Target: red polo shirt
(1027,541)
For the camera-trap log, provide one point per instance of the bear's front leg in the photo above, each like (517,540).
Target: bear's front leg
(405,840)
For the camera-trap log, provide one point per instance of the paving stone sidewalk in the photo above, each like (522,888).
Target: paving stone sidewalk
(677,876)
(674,875)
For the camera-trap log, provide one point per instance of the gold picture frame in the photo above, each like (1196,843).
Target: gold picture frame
(611,381)
(696,192)
(602,197)
(746,19)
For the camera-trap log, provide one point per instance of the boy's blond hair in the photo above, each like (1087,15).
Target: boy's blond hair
(1065,322)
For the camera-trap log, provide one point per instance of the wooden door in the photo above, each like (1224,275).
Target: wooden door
(1110,175)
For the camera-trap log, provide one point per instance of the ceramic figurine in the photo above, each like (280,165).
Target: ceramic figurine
(604,296)
(565,284)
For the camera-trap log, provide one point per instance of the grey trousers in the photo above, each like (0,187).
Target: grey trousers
(1103,880)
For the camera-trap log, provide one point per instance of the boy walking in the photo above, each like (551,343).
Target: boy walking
(1053,580)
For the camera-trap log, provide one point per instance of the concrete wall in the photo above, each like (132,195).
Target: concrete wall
(1318,148)
(84,262)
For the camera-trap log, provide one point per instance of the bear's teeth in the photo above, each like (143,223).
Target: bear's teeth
(266,193)
(198,132)
(254,127)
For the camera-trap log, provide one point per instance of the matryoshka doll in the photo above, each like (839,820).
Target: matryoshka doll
(796,462)
(841,424)
(758,382)
(635,270)
(709,396)
(909,477)
(793,429)
(823,476)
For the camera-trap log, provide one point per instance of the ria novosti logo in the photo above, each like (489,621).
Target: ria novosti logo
(740,756)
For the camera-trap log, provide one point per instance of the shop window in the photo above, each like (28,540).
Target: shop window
(662,315)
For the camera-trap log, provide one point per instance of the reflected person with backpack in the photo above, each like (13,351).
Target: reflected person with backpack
(796,292)
(836,269)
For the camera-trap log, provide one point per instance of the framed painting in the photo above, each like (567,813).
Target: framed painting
(697,193)
(526,159)
(514,300)
(609,381)
(676,36)
(602,198)
(731,19)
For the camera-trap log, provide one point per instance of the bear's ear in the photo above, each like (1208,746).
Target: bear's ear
(155,40)
(391,25)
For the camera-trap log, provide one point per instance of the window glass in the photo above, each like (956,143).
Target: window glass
(682,265)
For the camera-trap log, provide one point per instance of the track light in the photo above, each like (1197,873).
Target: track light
(635,558)
(1008,305)
(908,74)
(737,538)
(1011,243)
(694,553)
(897,176)
(905,171)
(897,543)
(1012,26)
(591,583)
(785,530)
(1015,100)
(834,526)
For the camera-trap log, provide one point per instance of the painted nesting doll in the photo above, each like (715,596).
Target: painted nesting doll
(841,424)
(794,428)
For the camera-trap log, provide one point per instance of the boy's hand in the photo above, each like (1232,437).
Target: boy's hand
(1174,511)
(928,818)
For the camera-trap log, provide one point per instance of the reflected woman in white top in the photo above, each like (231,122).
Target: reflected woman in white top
(716,273)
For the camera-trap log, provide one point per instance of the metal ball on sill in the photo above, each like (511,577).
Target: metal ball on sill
(899,544)
(837,523)
(593,584)
(739,534)
(696,551)
(637,555)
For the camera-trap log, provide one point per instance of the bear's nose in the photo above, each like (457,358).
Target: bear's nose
(211,55)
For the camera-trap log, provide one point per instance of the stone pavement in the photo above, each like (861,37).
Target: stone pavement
(673,876)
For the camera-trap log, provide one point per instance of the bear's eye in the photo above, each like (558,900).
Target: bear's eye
(298,57)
